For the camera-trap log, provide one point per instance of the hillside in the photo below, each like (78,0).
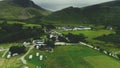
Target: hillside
(20,9)
(105,13)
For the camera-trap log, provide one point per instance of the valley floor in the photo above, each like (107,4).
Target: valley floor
(76,56)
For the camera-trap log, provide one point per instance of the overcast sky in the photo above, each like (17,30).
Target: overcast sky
(60,4)
(54,5)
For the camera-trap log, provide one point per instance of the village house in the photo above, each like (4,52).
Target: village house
(54,34)
(38,42)
(26,43)
(67,28)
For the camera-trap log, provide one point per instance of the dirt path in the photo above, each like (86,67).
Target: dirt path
(23,57)
(5,53)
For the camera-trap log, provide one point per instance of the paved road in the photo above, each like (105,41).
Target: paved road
(23,57)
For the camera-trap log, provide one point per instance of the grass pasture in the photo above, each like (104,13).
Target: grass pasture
(10,63)
(89,33)
(78,56)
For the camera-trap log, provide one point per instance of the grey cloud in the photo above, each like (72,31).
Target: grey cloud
(60,4)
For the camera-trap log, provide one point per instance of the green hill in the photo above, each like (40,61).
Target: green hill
(105,13)
(20,9)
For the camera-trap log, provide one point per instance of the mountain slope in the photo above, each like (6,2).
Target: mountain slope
(106,13)
(13,9)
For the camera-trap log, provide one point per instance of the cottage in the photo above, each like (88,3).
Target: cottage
(26,43)
(53,34)
(37,47)
(38,41)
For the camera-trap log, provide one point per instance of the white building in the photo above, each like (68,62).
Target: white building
(38,41)
(26,43)
(60,43)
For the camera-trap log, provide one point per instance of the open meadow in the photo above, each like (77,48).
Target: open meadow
(76,56)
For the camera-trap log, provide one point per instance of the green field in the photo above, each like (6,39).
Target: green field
(78,56)
(13,62)
(89,33)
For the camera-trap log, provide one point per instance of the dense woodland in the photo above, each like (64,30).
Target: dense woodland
(16,32)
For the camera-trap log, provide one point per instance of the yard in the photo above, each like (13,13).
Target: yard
(77,56)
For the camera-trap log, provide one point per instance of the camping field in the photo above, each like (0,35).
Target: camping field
(76,56)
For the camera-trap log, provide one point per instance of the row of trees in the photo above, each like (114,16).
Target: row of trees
(72,38)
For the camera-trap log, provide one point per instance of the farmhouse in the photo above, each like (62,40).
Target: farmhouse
(26,43)
(39,42)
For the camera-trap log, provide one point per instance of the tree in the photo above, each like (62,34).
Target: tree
(17,49)
(75,38)
(50,43)
(62,39)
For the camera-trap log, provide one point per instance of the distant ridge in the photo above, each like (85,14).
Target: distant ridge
(106,13)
